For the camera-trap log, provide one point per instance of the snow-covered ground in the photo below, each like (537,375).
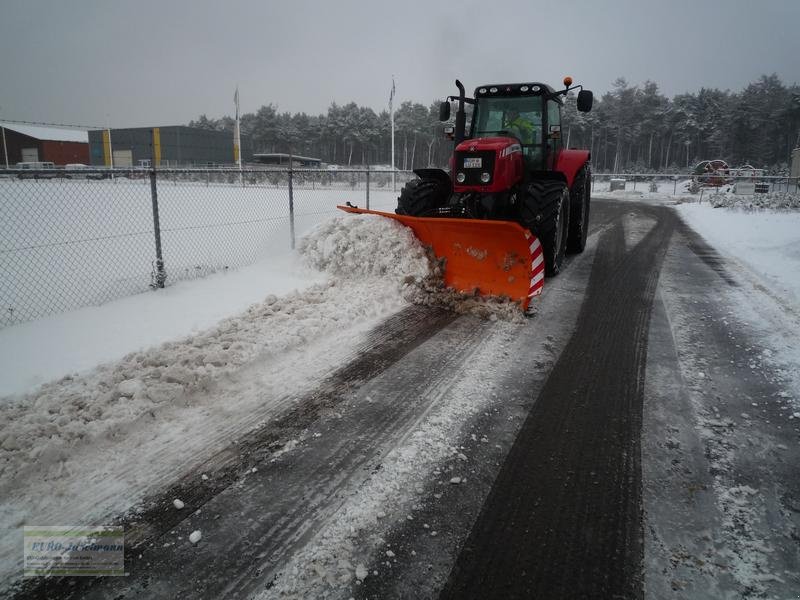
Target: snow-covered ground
(186,369)
(35,352)
(760,233)
(109,436)
(40,351)
(767,241)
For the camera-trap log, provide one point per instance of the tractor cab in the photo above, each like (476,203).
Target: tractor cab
(523,112)
(528,115)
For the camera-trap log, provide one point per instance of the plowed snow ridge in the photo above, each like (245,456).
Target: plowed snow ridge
(95,436)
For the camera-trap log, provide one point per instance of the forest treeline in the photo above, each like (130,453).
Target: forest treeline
(631,128)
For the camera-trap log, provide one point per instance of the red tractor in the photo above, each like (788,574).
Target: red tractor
(514,201)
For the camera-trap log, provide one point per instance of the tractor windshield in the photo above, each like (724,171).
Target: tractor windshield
(519,117)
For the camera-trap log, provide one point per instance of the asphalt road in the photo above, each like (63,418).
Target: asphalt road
(577,465)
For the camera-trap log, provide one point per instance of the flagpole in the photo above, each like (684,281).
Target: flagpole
(391,118)
(237,138)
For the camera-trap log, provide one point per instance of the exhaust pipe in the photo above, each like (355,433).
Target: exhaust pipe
(461,115)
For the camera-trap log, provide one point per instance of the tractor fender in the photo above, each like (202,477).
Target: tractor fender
(436,174)
(569,162)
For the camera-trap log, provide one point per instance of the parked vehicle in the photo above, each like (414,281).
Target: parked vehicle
(81,171)
(39,170)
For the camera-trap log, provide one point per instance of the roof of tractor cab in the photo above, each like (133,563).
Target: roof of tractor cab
(516,89)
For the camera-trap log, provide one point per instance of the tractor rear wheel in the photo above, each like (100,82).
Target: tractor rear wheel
(545,211)
(419,196)
(579,198)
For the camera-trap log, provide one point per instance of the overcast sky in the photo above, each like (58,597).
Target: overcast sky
(142,62)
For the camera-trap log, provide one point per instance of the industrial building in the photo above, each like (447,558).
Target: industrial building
(23,143)
(172,146)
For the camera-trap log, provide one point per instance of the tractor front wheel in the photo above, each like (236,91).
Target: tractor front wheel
(545,211)
(420,196)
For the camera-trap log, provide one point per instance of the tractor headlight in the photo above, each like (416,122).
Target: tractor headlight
(460,177)
(485,177)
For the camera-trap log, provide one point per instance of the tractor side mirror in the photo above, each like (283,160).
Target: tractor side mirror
(585,98)
(444,111)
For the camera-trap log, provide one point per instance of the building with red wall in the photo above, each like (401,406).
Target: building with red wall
(34,143)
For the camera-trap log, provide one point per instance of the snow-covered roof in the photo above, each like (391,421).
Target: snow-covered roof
(56,134)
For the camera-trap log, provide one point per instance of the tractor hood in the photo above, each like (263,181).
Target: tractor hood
(495,144)
(487,165)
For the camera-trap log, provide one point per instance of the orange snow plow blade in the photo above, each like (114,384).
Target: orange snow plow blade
(496,258)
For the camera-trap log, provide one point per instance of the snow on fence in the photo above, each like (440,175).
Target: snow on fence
(69,240)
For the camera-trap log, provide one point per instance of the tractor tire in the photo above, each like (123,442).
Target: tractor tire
(545,211)
(419,196)
(579,202)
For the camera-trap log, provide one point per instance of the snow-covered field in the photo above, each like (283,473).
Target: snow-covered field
(66,244)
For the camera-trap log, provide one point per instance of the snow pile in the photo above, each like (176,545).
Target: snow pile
(357,246)
(369,260)
(774,200)
(40,351)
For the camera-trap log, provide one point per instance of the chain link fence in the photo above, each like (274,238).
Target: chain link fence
(70,240)
(683,184)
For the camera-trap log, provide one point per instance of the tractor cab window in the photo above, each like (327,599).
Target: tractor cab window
(554,126)
(519,117)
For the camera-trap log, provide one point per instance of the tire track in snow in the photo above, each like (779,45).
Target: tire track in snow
(563,519)
(250,523)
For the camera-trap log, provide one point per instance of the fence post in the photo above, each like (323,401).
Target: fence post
(675,187)
(367,186)
(159,274)
(291,203)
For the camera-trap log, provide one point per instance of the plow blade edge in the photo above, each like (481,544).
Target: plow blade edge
(496,258)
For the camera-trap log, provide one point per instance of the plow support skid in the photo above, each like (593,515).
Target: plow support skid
(498,258)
